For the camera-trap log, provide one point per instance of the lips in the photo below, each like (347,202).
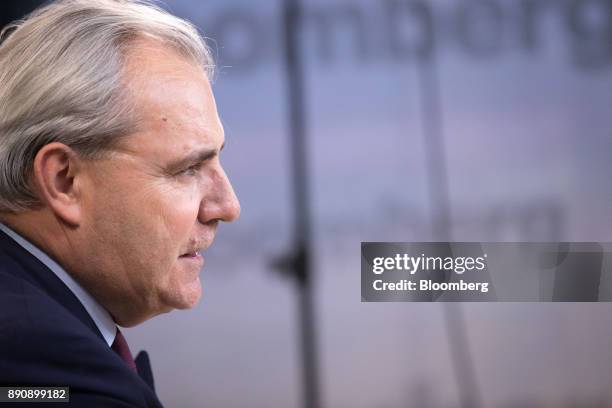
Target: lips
(193,258)
(193,252)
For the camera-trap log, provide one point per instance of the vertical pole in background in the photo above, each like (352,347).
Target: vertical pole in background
(298,264)
(439,196)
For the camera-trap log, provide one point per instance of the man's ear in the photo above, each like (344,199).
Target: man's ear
(56,167)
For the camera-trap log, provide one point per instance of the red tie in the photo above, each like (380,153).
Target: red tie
(121,347)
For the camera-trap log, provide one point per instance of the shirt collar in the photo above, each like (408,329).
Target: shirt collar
(100,316)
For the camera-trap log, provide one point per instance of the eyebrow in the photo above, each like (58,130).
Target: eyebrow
(192,159)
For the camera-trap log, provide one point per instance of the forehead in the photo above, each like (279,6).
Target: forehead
(172,99)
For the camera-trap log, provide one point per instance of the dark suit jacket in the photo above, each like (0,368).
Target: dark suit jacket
(47,338)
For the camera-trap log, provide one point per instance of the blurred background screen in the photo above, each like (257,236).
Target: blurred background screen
(417,120)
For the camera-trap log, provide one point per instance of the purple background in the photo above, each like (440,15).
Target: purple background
(527,119)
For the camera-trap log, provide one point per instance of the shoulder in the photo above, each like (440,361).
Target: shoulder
(44,344)
(27,308)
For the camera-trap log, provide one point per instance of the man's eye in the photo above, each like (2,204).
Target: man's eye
(193,170)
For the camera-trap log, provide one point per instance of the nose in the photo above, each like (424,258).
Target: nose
(219,202)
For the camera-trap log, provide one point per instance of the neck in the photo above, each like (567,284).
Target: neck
(42,229)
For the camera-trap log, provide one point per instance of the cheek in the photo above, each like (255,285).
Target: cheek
(145,218)
(178,211)
(168,217)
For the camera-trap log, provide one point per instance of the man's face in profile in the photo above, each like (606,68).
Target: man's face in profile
(155,203)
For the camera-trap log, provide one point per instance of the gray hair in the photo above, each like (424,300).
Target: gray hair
(61,81)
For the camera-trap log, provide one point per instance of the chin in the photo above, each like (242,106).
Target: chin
(188,295)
